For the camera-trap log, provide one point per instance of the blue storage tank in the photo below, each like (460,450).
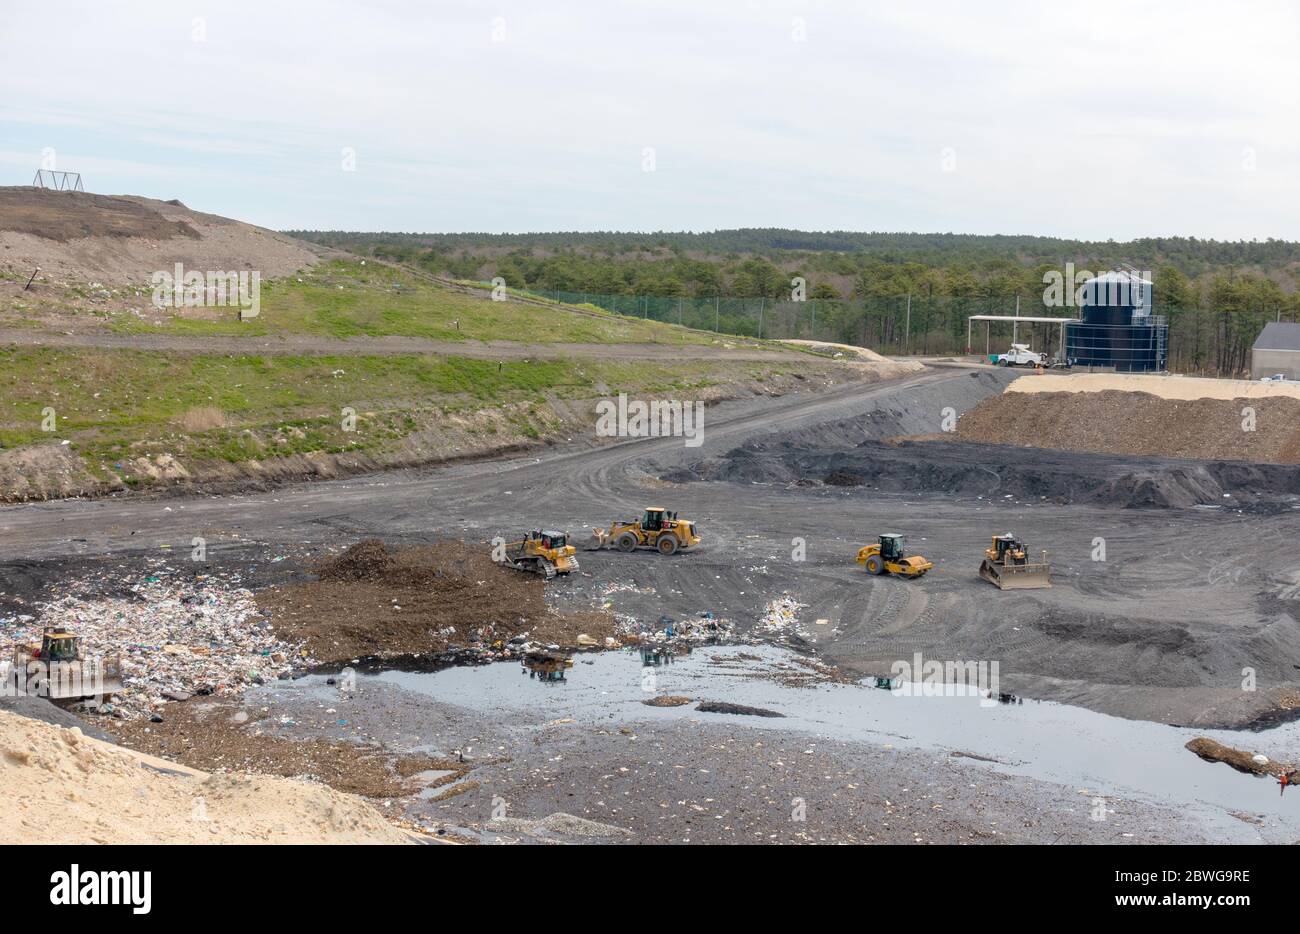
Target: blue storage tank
(1117,327)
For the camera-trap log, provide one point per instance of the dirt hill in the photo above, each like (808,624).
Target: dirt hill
(64,787)
(1114,422)
(78,237)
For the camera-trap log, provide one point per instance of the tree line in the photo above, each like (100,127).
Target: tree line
(1216,295)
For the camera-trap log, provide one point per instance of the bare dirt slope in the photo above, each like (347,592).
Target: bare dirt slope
(124,239)
(1264,430)
(105,794)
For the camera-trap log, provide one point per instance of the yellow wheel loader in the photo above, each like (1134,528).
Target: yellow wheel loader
(59,670)
(1006,563)
(889,556)
(541,552)
(658,529)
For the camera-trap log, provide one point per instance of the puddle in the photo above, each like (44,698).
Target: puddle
(1072,746)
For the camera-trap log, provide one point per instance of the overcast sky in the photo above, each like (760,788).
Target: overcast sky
(1095,120)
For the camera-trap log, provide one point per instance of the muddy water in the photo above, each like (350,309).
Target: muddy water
(1084,751)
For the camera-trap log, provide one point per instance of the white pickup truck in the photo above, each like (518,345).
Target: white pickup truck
(1020,355)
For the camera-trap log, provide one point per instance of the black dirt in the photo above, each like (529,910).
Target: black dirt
(841,478)
(709,706)
(987,470)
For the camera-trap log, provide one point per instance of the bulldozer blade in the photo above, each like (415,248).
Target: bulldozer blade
(1017,576)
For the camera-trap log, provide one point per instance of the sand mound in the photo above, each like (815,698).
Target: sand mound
(887,365)
(1114,422)
(1165,386)
(77,237)
(63,787)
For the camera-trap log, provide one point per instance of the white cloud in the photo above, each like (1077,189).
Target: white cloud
(1107,120)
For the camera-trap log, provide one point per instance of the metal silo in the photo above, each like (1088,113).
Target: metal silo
(1117,328)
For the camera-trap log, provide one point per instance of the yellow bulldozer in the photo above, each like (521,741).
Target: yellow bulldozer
(59,670)
(889,556)
(541,552)
(1006,563)
(658,529)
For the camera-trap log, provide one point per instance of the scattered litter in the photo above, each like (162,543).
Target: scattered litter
(781,617)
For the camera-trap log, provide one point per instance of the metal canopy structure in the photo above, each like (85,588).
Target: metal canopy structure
(1016,320)
(58,181)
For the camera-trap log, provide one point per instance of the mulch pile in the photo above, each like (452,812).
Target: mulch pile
(1115,422)
(1213,751)
(372,600)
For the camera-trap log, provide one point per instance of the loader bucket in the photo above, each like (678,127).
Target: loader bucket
(1016,576)
(595,542)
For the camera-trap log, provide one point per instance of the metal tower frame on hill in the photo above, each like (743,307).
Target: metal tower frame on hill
(59,181)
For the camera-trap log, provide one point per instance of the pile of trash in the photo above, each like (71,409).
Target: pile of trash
(704,628)
(174,638)
(781,618)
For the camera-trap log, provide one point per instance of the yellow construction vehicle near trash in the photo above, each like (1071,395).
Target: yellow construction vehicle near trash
(889,556)
(541,552)
(658,529)
(59,670)
(1006,563)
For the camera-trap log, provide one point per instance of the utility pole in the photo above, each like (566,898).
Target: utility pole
(761,302)
(907,328)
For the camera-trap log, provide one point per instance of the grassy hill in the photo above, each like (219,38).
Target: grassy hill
(345,299)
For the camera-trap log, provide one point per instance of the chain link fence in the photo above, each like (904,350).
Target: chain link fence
(918,324)
(887,324)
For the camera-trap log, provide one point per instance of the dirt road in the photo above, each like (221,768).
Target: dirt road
(391,345)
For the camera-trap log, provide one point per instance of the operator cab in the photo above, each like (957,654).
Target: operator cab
(891,546)
(653,520)
(1008,548)
(58,646)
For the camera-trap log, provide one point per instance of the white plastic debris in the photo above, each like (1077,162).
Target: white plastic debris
(176,635)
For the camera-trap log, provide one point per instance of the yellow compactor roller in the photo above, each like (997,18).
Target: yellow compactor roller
(888,556)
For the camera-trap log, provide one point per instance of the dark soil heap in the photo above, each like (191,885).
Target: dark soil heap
(367,560)
(67,215)
(371,600)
